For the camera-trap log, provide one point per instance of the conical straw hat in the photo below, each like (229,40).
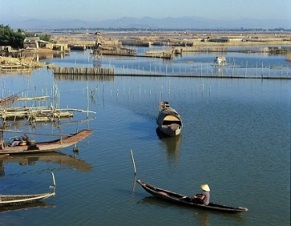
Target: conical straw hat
(205,187)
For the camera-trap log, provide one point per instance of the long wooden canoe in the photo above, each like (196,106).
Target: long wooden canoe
(186,200)
(6,200)
(47,146)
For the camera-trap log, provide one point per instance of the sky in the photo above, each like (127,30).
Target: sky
(99,10)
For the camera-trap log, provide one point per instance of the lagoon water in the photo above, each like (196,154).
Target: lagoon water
(236,138)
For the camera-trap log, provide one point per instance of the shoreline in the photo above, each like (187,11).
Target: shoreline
(176,42)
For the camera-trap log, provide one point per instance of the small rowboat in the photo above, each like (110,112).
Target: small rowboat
(7,200)
(186,200)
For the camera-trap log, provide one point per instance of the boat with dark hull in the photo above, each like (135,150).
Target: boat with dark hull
(187,200)
(169,121)
(48,146)
(7,200)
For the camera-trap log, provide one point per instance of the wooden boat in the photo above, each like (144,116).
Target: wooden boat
(169,121)
(6,200)
(186,200)
(7,101)
(48,146)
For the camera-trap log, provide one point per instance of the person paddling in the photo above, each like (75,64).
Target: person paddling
(203,198)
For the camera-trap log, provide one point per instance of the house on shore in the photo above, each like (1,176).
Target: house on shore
(36,43)
(9,51)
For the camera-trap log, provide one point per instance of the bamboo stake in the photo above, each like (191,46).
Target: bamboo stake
(133,162)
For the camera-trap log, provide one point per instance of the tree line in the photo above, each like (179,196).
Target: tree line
(15,38)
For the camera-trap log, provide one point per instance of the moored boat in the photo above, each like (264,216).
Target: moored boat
(187,200)
(30,146)
(169,121)
(220,61)
(6,200)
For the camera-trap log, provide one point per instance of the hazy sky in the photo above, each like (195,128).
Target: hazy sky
(99,10)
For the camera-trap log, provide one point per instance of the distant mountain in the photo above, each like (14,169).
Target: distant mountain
(149,22)
(48,24)
(154,23)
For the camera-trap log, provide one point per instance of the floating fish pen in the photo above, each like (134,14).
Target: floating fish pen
(13,67)
(114,51)
(49,117)
(136,43)
(204,49)
(34,114)
(273,50)
(8,100)
(31,113)
(83,71)
(160,54)
(78,47)
(179,43)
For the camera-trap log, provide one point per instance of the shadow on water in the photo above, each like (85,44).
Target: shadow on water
(171,144)
(27,206)
(55,157)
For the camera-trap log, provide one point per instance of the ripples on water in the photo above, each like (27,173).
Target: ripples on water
(236,137)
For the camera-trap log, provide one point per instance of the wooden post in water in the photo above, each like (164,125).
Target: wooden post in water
(133,162)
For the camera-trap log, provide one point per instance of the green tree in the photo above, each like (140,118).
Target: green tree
(45,37)
(10,37)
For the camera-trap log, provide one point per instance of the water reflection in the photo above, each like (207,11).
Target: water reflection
(44,56)
(79,77)
(171,144)
(26,206)
(205,217)
(97,62)
(55,157)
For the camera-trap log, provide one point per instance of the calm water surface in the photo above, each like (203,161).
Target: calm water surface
(236,138)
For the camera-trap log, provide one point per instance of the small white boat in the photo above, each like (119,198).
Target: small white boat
(220,61)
